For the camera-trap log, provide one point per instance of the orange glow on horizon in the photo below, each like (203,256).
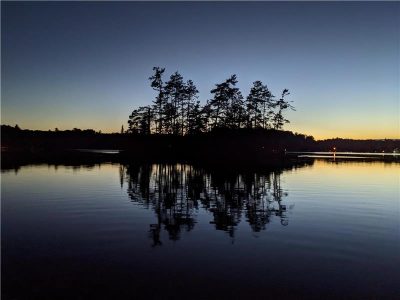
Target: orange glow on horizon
(319,133)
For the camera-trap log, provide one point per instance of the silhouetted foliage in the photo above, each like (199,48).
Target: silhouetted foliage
(157,85)
(226,107)
(176,110)
(140,120)
(260,106)
(192,115)
(278,119)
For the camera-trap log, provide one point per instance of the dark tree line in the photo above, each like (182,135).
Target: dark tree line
(176,109)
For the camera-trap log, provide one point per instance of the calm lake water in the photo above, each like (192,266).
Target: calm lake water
(318,229)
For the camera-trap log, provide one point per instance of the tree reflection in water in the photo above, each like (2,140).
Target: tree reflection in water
(176,191)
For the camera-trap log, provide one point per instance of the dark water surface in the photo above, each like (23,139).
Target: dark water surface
(317,229)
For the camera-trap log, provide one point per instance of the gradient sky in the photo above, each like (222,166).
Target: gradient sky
(86,64)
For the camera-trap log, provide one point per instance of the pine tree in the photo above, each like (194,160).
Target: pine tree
(197,119)
(140,120)
(174,90)
(258,103)
(157,85)
(282,105)
(134,121)
(236,113)
(224,94)
(191,104)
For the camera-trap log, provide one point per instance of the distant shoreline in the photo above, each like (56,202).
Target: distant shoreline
(239,148)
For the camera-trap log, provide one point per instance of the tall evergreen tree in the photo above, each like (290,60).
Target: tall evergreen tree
(225,94)
(197,119)
(140,120)
(268,110)
(175,90)
(206,112)
(236,112)
(169,118)
(133,122)
(157,85)
(190,97)
(282,105)
(258,104)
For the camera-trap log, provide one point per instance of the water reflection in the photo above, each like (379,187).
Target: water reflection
(176,192)
(73,233)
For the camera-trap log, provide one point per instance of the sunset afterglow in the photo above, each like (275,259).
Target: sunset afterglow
(86,65)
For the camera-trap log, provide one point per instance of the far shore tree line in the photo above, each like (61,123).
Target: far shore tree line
(176,109)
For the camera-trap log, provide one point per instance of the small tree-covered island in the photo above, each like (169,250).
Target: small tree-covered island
(177,110)
(228,127)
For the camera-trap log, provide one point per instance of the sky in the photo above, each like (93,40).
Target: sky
(87,64)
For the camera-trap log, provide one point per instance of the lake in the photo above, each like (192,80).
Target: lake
(313,228)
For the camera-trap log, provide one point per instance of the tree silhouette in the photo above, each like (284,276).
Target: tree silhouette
(140,120)
(175,93)
(157,85)
(225,95)
(236,114)
(259,105)
(176,109)
(134,121)
(192,108)
(282,105)
(197,119)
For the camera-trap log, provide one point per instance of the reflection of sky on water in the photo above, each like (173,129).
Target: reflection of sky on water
(85,229)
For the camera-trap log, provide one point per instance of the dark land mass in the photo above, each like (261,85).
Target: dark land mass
(246,146)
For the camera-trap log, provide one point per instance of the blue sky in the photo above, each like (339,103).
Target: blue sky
(86,64)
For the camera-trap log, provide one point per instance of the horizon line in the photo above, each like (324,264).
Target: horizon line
(118,132)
